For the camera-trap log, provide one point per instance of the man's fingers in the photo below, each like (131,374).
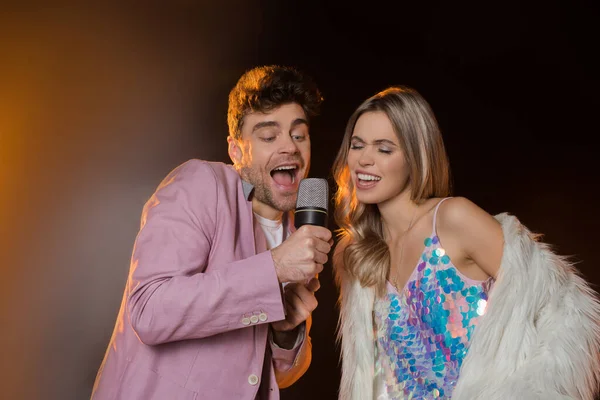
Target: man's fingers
(322,246)
(318,231)
(303,300)
(300,301)
(320,258)
(318,268)
(313,285)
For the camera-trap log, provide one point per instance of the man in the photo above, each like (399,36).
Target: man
(203,314)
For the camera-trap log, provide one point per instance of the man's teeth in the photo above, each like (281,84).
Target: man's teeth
(365,177)
(285,168)
(290,169)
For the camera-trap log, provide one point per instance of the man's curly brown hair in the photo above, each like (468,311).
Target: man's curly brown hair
(265,88)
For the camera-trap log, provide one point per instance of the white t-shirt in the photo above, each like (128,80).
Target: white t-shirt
(273,230)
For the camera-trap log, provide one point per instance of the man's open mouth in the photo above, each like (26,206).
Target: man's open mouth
(285,175)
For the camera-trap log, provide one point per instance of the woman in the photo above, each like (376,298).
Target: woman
(438,298)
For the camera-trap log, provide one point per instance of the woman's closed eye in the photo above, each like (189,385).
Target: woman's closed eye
(381,149)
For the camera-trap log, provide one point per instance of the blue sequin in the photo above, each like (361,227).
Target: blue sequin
(424,332)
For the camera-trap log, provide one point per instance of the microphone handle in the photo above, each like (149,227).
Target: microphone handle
(310,216)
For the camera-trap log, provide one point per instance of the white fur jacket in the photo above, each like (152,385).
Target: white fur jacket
(539,338)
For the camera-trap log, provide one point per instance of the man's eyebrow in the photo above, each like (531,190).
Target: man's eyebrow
(299,121)
(267,124)
(264,124)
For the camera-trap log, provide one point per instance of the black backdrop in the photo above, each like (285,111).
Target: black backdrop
(98,103)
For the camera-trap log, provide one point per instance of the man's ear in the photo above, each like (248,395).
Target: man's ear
(234,150)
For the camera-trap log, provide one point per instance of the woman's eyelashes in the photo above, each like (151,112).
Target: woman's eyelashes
(381,149)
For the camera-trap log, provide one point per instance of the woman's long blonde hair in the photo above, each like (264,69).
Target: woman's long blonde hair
(366,256)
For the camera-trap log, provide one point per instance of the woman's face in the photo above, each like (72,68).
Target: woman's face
(377,164)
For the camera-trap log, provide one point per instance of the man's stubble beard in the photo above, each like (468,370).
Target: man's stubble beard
(263,192)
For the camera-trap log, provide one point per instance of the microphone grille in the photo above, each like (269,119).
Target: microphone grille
(313,192)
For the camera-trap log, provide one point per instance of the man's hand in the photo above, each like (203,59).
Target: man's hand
(301,256)
(300,301)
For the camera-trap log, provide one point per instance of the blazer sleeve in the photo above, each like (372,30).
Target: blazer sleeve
(170,295)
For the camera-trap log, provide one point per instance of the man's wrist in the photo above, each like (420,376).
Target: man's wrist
(286,339)
(276,264)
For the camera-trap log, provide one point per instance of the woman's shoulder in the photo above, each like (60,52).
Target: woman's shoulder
(458,212)
(477,236)
(468,222)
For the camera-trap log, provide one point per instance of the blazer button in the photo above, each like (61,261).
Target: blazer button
(262,317)
(246,321)
(253,379)
(254,319)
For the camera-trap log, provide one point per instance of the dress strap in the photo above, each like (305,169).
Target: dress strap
(434,230)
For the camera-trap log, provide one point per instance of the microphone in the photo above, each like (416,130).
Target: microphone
(312,201)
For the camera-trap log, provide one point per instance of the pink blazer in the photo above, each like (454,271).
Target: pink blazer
(195,315)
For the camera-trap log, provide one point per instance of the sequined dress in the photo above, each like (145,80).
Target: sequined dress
(423,333)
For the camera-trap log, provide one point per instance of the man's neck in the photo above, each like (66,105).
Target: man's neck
(266,211)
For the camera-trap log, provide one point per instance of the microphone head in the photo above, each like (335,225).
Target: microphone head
(312,202)
(313,193)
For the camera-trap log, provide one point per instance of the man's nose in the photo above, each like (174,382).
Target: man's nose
(288,145)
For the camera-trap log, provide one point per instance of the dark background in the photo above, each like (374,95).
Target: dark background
(99,103)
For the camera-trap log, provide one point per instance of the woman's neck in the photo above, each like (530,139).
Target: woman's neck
(398,214)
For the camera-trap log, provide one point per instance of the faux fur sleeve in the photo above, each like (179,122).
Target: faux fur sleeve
(540,336)
(355,331)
